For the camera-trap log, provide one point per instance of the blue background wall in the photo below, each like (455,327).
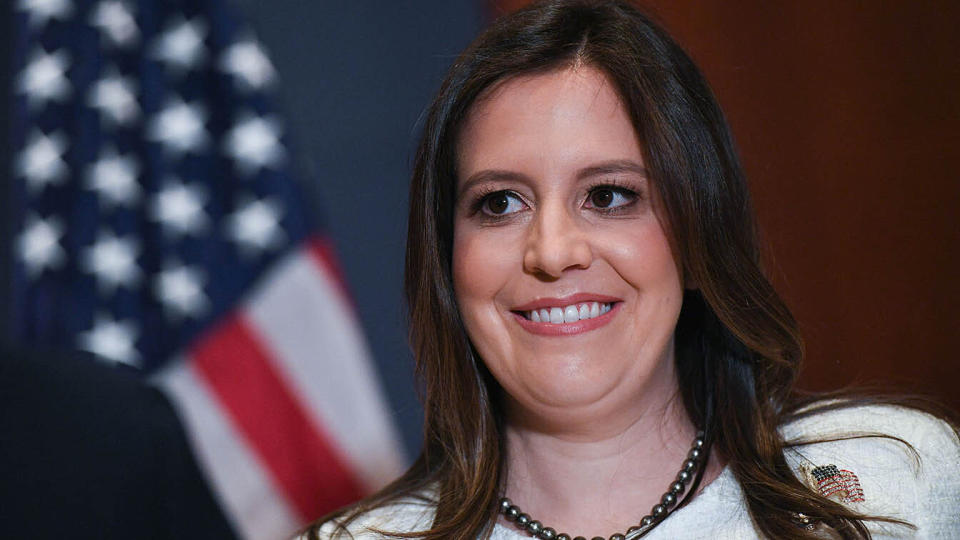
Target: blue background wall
(355,79)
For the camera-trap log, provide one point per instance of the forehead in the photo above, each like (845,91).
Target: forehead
(564,117)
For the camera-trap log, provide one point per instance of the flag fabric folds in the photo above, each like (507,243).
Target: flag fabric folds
(159,226)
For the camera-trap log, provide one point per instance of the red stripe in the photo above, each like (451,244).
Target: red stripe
(294,451)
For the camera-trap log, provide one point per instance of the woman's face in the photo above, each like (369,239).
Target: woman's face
(562,269)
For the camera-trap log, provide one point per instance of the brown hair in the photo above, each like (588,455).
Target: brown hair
(737,346)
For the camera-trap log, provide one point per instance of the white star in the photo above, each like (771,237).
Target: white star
(41,11)
(41,161)
(254,143)
(115,20)
(115,178)
(44,78)
(115,97)
(181,291)
(179,207)
(39,244)
(113,261)
(113,340)
(179,127)
(255,226)
(181,44)
(247,61)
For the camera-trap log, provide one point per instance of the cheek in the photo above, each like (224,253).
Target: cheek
(642,256)
(483,264)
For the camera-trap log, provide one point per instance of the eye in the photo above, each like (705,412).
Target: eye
(607,197)
(501,203)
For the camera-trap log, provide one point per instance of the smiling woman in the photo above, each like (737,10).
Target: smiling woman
(551,146)
(593,328)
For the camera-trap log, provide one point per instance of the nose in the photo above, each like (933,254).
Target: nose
(556,243)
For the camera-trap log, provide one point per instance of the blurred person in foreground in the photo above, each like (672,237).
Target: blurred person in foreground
(89,451)
(602,355)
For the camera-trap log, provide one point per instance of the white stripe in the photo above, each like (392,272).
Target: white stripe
(321,355)
(253,504)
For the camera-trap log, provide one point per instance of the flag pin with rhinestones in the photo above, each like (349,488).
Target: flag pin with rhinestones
(838,484)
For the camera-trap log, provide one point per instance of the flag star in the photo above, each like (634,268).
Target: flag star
(112,340)
(180,127)
(179,208)
(115,97)
(247,61)
(181,291)
(44,78)
(256,226)
(41,11)
(41,161)
(115,20)
(115,178)
(113,261)
(254,143)
(39,244)
(181,44)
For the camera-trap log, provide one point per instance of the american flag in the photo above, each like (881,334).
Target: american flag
(839,484)
(159,226)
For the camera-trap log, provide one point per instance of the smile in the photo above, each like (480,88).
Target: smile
(576,314)
(568,314)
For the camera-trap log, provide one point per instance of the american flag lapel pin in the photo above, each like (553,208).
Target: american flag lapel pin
(838,484)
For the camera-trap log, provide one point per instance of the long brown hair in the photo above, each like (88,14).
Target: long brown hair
(737,346)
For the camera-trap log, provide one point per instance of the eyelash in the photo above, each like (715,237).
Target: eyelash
(484,196)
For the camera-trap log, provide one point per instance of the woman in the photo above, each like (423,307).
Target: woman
(599,347)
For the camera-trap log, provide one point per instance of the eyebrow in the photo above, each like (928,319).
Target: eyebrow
(613,167)
(599,169)
(490,175)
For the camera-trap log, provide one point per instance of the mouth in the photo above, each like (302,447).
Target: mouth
(567,314)
(561,317)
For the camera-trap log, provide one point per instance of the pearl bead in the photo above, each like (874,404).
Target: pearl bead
(547,533)
(646,521)
(598,538)
(689,465)
(683,476)
(698,443)
(694,454)
(563,536)
(534,527)
(617,537)
(505,504)
(658,510)
(512,513)
(523,519)
(669,499)
(632,529)
(676,488)
(579,538)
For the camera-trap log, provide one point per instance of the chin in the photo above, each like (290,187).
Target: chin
(567,381)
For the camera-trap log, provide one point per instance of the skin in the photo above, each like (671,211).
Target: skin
(553,200)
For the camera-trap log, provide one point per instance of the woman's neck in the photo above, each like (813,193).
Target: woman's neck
(598,478)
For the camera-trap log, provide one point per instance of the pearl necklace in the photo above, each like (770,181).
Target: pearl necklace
(657,514)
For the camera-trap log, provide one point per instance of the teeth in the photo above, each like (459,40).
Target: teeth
(568,314)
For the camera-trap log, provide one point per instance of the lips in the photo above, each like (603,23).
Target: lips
(574,314)
(567,314)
